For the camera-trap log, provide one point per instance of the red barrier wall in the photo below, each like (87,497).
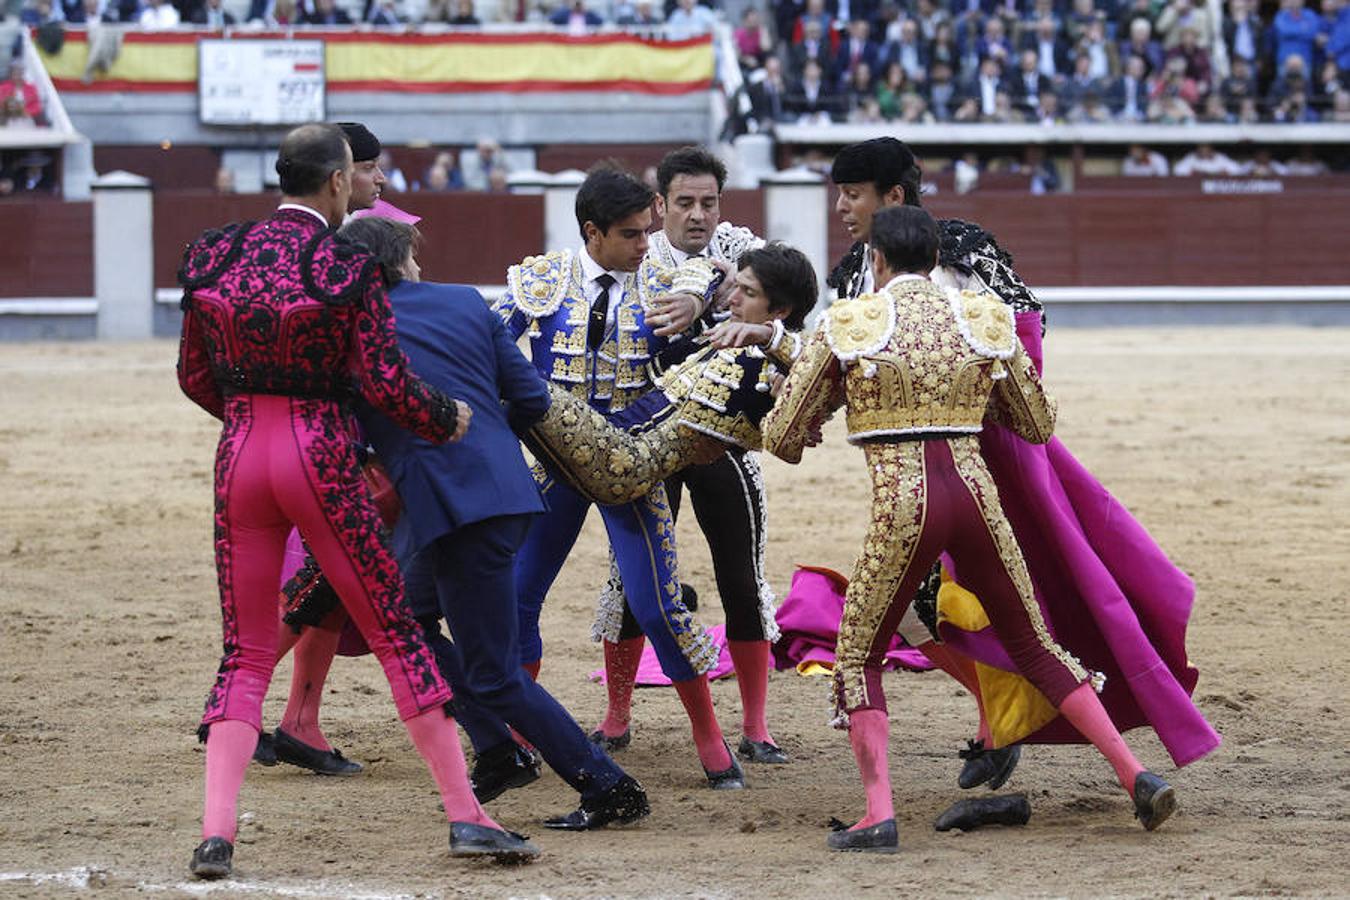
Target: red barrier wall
(46,248)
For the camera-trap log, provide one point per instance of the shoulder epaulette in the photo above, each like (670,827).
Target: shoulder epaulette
(206,257)
(539,283)
(859,327)
(985,322)
(730,241)
(336,270)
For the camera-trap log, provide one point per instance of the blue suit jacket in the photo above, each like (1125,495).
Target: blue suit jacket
(457,343)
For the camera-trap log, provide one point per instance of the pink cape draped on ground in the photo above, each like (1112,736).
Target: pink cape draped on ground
(809,621)
(1110,595)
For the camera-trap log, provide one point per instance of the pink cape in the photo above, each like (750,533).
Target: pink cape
(386,210)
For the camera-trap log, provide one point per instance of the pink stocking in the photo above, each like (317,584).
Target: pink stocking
(433,733)
(697,700)
(1087,714)
(313,657)
(751,659)
(869,733)
(621,665)
(229,747)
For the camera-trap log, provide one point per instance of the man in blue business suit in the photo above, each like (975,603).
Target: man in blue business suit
(466,510)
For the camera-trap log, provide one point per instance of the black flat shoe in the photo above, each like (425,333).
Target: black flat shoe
(731,778)
(623,804)
(501,768)
(325,762)
(1154,800)
(878,838)
(761,752)
(468,839)
(967,815)
(213,858)
(610,744)
(993,767)
(265,754)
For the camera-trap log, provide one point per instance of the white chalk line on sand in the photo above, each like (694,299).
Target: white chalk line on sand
(86,877)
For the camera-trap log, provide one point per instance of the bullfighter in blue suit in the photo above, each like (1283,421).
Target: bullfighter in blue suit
(466,511)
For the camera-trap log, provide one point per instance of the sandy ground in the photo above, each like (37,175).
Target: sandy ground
(1231,446)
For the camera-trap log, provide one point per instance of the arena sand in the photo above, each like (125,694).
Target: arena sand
(1231,446)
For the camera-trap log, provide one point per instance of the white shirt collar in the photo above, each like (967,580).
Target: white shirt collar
(309,209)
(591,270)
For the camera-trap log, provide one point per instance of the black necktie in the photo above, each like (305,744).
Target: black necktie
(595,329)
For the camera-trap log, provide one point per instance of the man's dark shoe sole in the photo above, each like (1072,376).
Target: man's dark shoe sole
(967,815)
(879,838)
(1154,800)
(468,840)
(213,858)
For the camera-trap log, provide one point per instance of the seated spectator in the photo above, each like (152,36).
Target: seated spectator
(1338,40)
(393,175)
(158,15)
(812,100)
(1248,113)
(943,95)
(914,110)
(1083,14)
(909,51)
(463,15)
(1129,12)
(575,17)
(1044,175)
(868,112)
(768,91)
(1103,56)
(1143,162)
(13,116)
(944,49)
(327,12)
(813,47)
(442,175)
(1262,165)
(1196,58)
(1205,160)
(859,87)
(1239,85)
(213,15)
(32,174)
(1029,82)
(858,49)
(383,14)
(641,13)
(224,180)
(1293,78)
(1047,111)
(1171,110)
(1214,112)
(893,86)
(815,11)
(1182,14)
(1141,43)
(1037,10)
(1090,110)
(966,173)
(477,165)
(1305,163)
(1005,113)
(986,87)
(994,42)
(1294,108)
(1340,108)
(690,19)
(498,183)
(1296,31)
(1176,83)
(753,44)
(1244,35)
(273,13)
(1128,96)
(931,17)
(1081,82)
(1330,81)
(1052,53)
(18,87)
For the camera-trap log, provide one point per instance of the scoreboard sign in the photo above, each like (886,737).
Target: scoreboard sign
(260,82)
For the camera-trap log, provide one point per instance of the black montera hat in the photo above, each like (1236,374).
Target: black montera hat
(881,160)
(365,145)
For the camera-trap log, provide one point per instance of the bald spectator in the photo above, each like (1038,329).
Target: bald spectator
(159,15)
(1140,43)
(477,165)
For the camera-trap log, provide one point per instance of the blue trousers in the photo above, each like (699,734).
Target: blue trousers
(468,576)
(642,535)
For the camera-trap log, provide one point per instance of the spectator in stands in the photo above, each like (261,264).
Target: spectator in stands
(1205,160)
(1080,82)
(859,88)
(463,15)
(812,100)
(868,112)
(930,17)
(1214,112)
(1047,111)
(92,12)
(498,183)
(383,14)
(943,95)
(858,49)
(477,165)
(1141,161)
(1296,31)
(213,15)
(327,12)
(1293,78)
(1083,14)
(814,11)
(159,15)
(13,116)
(1141,43)
(1195,57)
(224,180)
(1029,82)
(1103,57)
(1037,10)
(914,110)
(910,52)
(894,85)
(1091,109)
(1005,113)
(36,13)
(1171,110)
(442,175)
(1044,176)
(1128,96)
(1305,163)
(641,13)
(994,42)
(397,181)
(753,43)
(1181,14)
(1239,85)
(1340,107)
(1052,53)
(1243,32)
(813,47)
(988,84)
(1131,10)
(18,87)
(1294,108)
(690,19)
(1262,165)
(33,174)
(1330,79)
(943,49)
(768,95)
(1176,83)
(1338,39)
(1248,113)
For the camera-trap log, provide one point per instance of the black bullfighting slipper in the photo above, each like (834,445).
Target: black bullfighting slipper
(731,778)
(325,762)
(265,754)
(878,838)
(967,815)
(501,768)
(761,752)
(213,858)
(610,744)
(992,766)
(1154,800)
(469,839)
(623,804)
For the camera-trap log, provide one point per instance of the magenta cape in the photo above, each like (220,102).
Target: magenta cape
(1110,595)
